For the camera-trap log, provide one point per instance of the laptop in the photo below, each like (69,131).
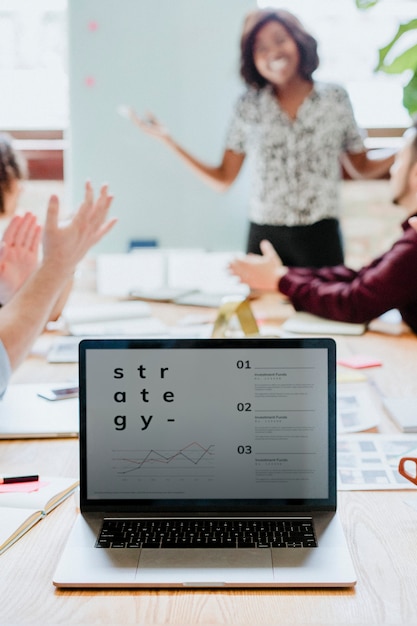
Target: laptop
(207,463)
(33,411)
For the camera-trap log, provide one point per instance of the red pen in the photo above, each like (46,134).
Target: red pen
(8,480)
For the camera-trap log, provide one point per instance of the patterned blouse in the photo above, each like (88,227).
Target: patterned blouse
(296,167)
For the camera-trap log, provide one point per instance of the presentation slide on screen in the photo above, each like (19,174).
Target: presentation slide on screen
(207,423)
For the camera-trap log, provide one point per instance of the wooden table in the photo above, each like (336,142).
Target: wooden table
(380,527)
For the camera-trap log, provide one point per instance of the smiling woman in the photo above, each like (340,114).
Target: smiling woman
(295,130)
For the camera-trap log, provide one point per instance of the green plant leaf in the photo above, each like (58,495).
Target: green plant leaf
(410,96)
(383,52)
(405,61)
(366,4)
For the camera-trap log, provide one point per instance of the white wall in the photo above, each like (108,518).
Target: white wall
(179,59)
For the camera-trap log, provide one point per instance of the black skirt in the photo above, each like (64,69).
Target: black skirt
(316,245)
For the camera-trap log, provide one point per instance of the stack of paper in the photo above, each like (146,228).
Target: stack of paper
(183,276)
(113,319)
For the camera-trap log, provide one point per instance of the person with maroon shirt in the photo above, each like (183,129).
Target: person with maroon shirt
(343,294)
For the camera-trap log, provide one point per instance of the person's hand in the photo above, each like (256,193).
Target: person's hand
(19,250)
(64,246)
(413,222)
(259,271)
(149,125)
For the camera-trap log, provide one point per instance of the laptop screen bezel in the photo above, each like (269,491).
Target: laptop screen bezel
(213,506)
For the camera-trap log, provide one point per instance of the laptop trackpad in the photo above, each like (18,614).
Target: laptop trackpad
(195,566)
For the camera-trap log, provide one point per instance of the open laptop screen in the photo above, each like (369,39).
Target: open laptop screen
(207,425)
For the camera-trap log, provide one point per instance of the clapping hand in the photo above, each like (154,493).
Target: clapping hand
(19,250)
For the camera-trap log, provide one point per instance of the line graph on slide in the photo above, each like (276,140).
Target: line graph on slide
(192,461)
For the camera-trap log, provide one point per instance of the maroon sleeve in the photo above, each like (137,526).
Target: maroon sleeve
(389,282)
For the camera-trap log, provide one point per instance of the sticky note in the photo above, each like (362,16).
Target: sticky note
(22,487)
(359,361)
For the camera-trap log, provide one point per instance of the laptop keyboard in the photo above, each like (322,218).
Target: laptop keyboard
(203,533)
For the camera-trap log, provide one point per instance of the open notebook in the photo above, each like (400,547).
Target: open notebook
(23,505)
(207,462)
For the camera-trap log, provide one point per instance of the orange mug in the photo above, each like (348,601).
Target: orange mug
(404,472)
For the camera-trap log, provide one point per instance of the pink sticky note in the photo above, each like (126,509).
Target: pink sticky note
(22,487)
(359,361)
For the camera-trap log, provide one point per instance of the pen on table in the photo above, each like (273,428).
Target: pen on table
(8,480)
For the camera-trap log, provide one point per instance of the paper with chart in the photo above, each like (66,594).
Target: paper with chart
(370,462)
(358,407)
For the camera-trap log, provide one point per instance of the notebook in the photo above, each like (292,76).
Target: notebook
(307,323)
(23,505)
(24,414)
(198,442)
